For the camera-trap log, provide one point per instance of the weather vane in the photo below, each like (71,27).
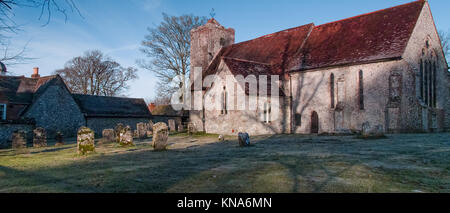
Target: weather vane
(212,13)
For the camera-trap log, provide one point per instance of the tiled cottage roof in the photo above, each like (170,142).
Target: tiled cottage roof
(101,106)
(370,37)
(21,90)
(166,110)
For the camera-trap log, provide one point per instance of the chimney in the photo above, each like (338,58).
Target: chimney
(35,73)
(151,107)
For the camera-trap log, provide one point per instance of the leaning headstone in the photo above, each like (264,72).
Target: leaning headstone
(107,136)
(39,137)
(85,141)
(160,136)
(141,130)
(117,131)
(172,125)
(372,132)
(126,137)
(59,137)
(365,130)
(180,128)
(244,139)
(19,139)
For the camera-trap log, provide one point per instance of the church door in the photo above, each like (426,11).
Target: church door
(314,123)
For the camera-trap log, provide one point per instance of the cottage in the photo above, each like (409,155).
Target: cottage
(47,102)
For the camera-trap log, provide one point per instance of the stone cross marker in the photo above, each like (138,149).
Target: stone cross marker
(107,136)
(85,141)
(126,136)
(172,125)
(141,130)
(244,139)
(19,139)
(160,136)
(39,137)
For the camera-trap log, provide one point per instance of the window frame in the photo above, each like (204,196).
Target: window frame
(3,115)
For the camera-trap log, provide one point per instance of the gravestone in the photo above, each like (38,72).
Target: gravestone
(160,136)
(149,133)
(180,128)
(126,137)
(142,130)
(85,141)
(39,137)
(107,136)
(191,129)
(19,139)
(244,139)
(365,130)
(368,131)
(117,131)
(59,137)
(150,126)
(172,125)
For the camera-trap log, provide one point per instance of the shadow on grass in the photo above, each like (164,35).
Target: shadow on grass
(272,164)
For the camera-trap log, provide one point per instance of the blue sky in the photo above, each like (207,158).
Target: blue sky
(117,27)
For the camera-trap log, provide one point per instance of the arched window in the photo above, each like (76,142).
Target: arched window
(421,79)
(332,90)
(224,101)
(434,86)
(361,90)
(267,112)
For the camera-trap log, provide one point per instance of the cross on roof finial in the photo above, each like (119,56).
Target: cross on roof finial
(212,13)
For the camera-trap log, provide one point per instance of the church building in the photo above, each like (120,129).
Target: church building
(383,70)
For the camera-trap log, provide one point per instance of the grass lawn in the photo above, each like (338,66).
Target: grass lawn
(282,163)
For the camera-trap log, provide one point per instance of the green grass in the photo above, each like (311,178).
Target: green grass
(281,163)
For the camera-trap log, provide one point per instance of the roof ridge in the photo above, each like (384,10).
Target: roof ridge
(244,60)
(267,35)
(373,12)
(102,96)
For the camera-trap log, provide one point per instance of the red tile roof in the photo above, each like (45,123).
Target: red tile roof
(374,36)
(370,37)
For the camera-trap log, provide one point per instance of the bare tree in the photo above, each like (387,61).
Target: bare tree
(167,47)
(445,40)
(158,100)
(96,74)
(9,27)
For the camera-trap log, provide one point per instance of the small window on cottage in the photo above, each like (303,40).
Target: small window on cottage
(3,111)
(298,119)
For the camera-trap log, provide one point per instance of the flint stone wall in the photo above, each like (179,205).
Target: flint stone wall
(6,131)
(99,124)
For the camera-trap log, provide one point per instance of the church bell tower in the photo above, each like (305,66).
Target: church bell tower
(206,42)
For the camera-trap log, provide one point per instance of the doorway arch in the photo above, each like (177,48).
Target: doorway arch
(314,123)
